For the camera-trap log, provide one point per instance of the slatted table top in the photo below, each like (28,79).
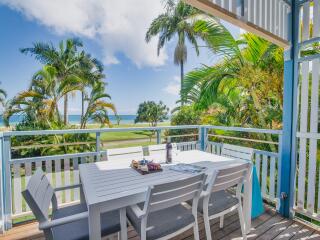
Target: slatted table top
(113,181)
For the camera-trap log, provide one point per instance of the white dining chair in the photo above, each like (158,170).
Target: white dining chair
(237,152)
(68,223)
(162,216)
(158,152)
(216,200)
(125,154)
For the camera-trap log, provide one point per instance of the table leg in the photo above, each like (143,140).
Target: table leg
(123,223)
(247,201)
(94,223)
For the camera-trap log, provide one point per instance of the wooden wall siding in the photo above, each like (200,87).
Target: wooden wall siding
(267,18)
(307,202)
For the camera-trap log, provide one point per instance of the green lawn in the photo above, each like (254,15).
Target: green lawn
(118,136)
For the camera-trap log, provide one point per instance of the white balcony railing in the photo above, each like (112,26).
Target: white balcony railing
(62,169)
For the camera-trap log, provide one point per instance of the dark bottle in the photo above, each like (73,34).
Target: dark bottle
(169,152)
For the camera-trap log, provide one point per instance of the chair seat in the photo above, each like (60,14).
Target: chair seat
(163,222)
(110,223)
(219,201)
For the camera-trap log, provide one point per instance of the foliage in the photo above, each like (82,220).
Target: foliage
(97,106)
(245,87)
(66,59)
(66,69)
(152,112)
(177,21)
(186,115)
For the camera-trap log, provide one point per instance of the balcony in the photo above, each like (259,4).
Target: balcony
(63,170)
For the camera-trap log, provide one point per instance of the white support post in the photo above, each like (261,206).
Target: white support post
(98,145)
(159,136)
(1,188)
(6,182)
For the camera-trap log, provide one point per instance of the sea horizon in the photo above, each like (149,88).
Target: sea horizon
(75,119)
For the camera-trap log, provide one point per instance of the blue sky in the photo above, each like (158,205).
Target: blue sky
(134,71)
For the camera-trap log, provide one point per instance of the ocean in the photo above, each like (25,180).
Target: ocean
(75,119)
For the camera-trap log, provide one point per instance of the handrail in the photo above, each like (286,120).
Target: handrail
(95,130)
(105,130)
(242,129)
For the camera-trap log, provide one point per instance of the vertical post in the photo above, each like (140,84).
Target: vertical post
(1,188)
(6,182)
(288,146)
(279,172)
(98,145)
(203,138)
(159,136)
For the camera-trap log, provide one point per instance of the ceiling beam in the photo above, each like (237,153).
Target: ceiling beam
(219,12)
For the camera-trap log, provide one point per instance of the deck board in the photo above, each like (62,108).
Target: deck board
(266,227)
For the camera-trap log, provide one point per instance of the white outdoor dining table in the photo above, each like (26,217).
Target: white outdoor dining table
(114,185)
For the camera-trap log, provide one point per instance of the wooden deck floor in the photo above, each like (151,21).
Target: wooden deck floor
(268,226)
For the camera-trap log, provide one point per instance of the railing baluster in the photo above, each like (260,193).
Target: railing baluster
(57,174)
(28,173)
(258,166)
(67,179)
(264,175)
(272,178)
(17,201)
(76,178)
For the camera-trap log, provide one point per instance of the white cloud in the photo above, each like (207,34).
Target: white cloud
(119,26)
(173,87)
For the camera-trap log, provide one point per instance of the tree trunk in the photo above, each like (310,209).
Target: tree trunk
(82,105)
(65,110)
(181,82)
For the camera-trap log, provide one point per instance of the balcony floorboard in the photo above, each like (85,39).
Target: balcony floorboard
(268,226)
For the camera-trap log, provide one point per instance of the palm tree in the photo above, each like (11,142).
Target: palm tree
(3,96)
(97,106)
(176,21)
(65,59)
(252,66)
(90,71)
(40,101)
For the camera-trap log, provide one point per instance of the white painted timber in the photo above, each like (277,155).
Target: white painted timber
(17,189)
(126,187)
(264,175)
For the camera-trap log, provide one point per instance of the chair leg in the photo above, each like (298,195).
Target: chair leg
(221,221)
(207,226)
(196,231)
(242,223)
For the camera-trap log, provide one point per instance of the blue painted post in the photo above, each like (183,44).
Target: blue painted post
(159,136)
(288,146)
(6,182)
(203,138)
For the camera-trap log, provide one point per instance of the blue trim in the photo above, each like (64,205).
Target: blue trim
(288,146)
(203,139)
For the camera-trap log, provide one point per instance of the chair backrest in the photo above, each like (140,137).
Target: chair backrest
(237,152)
(172,193)
(38,195)
(125,154)
(228,177)
(158,152)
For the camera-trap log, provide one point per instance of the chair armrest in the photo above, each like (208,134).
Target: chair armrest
(137,211)
(62,221)
(67,187)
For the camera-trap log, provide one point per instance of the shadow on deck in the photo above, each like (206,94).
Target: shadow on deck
(268,226)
